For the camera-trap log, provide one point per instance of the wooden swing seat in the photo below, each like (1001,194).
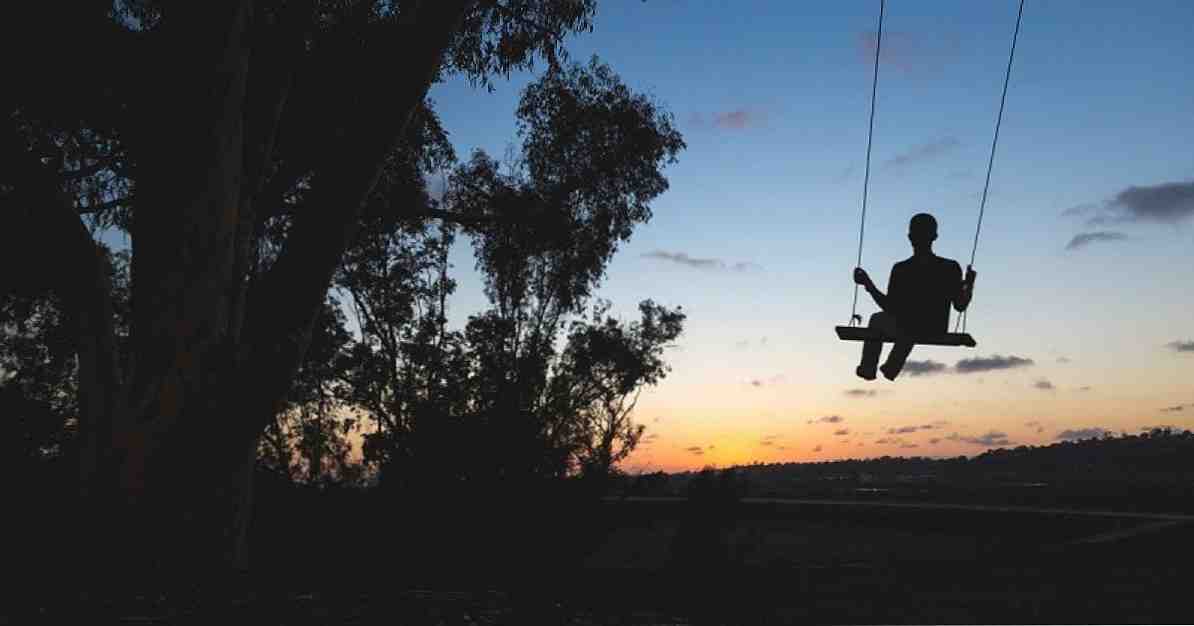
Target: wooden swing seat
(860,333)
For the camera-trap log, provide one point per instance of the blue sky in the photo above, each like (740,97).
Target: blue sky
(773,97)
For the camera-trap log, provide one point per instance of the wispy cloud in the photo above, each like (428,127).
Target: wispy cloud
(1081,240)
(991,363)
(744,344)
(923,152)
(1164,203)
(841,433)
(738,119)
(924,368)
(908,53)
(1044,385)
(1063,359)
(683,258)
(902,430)
(1085,388)
(828,419)
(1177,408)
(697,450)
(1079,210)
(817,449)
(935,440)
(1077,434)
(1040,428)
(762,382)
(861,393)
(992,438)
(1181,346)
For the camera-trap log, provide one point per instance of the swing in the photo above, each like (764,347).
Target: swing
(851,332)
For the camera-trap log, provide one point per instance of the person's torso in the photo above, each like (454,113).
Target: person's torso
(925,289)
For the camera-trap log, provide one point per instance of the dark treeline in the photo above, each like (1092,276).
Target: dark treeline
(1151,470)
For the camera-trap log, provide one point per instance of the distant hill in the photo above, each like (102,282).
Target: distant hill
(1152,470)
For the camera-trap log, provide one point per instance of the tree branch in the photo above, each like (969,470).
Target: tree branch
(285,302)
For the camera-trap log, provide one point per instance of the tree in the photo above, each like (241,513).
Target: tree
(500,400)
(603,369)
(204,120)
(544,227)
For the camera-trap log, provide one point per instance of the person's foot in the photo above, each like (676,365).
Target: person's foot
(889,372)
(865,373)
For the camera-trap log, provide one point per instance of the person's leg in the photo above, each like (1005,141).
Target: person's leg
(871,349)
(896,358)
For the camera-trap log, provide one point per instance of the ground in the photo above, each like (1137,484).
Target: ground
(660,564)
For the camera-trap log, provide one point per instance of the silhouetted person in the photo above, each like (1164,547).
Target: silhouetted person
(919,294)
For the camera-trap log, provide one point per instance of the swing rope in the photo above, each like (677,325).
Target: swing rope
(982,207)
(854,317)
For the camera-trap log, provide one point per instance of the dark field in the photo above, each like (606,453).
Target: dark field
(657,562)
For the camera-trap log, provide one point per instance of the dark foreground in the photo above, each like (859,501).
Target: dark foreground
(671,563)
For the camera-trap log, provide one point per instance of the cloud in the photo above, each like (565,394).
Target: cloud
(888,440)
(1181,346)
(990,363)
(694,450)
(861,393)
(1177,408)
(1081,240)
(923,152)
(1085,388)
(648,439)
(759,382)
(828,419)
(817,449)
(923,368)
(908,53)
(682,258)
(935,440)
(739,119)
(902,430)
(743,344)
(1081,209)
(1063,359)
(1165,203)
(1040,428)
(769,440)
(1081,433)
(909,445)
(841,433)
(990,439)
(1044,385)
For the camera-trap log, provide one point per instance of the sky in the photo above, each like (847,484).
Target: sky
(1082,303)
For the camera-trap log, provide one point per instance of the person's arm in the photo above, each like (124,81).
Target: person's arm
(881,299)
(965,290)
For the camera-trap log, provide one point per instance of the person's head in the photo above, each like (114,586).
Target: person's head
(922,231)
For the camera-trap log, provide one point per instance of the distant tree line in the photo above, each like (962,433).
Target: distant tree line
(1160,459)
